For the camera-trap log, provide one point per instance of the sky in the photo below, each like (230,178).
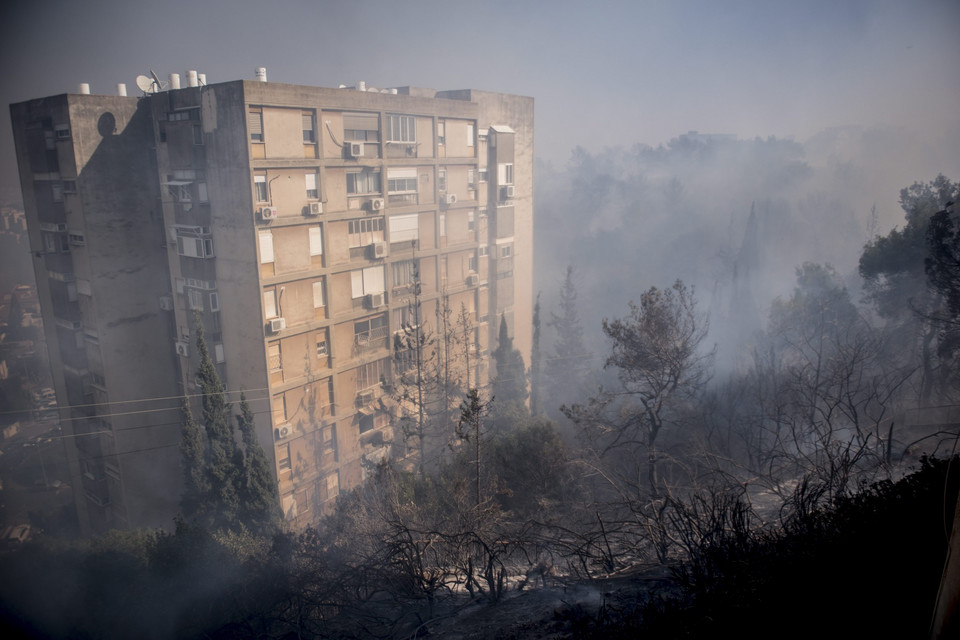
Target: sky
(602,73)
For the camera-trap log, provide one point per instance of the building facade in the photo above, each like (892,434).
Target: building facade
(294,222)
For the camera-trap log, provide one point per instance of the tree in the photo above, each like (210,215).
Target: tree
(195,489)
(942,267)
(535,359)
(223,457)
(567,369)
(472,411)
(893,269)
(259,509)
(660,365)
(510,383)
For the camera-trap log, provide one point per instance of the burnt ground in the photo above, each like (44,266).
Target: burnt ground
(563,608)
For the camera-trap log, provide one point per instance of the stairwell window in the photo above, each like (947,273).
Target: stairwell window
(505,173)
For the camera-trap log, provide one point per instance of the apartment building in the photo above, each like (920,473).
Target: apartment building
(291,220)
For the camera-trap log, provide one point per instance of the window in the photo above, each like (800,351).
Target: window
(372,374)
(401,128)
(202,195)
(283,457)
(364,231)
(184,114)
(361,127)
(363,182)
(270,304)
(470,134)
(505,173)
(266,247)
(62,131)
(471,220)
(403,272)
(195,247)
(260,187)
(255,125)
(309,136)
(441,137)
(195,299)
(442,179)
(443,225)
(472,264)
(483,175)
(333,484)
(197,134)
(311,182)
(506,250)
(369,330)
(471,178)
(402,180)
(218,353)
(76,239)
(484,251)
(365,281)
(316,241)
(214,301)
(318,300)
(69,186)
(56,189)
(405,228)
(322,349)
(274,363)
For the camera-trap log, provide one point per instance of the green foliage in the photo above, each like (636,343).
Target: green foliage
(260,511)
(568,367)
(510,383)
(195,487)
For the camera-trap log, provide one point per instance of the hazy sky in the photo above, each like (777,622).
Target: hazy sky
(602,73)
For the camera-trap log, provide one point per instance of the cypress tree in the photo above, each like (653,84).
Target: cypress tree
(260,511)
(510,383)
(194,477)
(224,460)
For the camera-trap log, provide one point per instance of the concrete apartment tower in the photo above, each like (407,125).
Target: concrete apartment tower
(291,220)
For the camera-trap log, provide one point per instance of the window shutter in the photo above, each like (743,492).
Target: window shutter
(255,123)
(318,294)
(404,228)
(360,121)
(316,241)
(307,119)
(266,247)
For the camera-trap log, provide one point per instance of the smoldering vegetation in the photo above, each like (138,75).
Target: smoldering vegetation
(749,439)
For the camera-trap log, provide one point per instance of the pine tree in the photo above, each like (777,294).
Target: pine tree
(259,509)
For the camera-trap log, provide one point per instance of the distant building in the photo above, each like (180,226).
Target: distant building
(289,218)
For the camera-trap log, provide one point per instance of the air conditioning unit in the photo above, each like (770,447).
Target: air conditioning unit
(376,300)
(277,325)
(354,149)
(54,227)
(183,349)
(315,208)
(281,432)
(376,204)
(166,303)
(365,397)
(449,198)
(509,190)
(473,280)
(268,213)
(378,250)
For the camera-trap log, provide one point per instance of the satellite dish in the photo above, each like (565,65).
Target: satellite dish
(145,83)
(156,80)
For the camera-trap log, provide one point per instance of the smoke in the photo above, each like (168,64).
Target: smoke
(734,218)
